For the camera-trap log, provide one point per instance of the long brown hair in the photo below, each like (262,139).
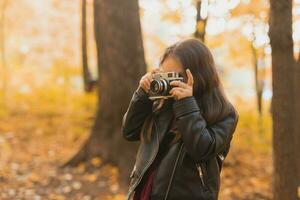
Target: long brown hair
(207,89)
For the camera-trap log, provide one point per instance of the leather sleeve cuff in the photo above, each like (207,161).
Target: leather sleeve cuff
(184,106)
(141,94)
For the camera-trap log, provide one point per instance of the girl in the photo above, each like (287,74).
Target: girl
(183,139)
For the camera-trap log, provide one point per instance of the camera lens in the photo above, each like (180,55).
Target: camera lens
(155,86)
(158,86)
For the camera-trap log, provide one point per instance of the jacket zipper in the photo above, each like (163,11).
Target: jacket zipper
(199,167)
(173,171)
(133,171)
(149,163)
(221,157)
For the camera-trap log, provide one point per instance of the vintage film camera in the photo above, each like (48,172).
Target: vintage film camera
(160,86)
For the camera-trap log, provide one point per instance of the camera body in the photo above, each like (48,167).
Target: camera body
(160,86)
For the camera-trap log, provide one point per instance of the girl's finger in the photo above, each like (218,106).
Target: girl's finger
(147,83)
(177,94)
(149,78)
(190,77)
(174,95)
(179,84)
(144,87)
(175,89)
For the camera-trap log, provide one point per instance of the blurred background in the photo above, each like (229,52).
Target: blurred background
(69,69)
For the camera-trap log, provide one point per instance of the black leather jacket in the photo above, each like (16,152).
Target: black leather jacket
(191,168)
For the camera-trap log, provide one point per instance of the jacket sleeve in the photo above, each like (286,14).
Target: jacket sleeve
(202,142)
(139,108)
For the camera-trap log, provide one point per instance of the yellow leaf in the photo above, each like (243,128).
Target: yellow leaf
(91,177)
(96,161)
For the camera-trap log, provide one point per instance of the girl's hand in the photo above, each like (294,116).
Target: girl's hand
(147,79)
(183,89)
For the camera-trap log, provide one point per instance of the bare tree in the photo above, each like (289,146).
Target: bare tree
(259,74)
(89,83)
(200,22)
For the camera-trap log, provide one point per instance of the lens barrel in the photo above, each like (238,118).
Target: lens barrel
(159,87)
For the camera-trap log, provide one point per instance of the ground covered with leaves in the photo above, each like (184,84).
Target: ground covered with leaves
(38,135)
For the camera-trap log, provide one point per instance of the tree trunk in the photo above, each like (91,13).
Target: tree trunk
(259,79)
(88,81)
(200,23)
(297,120)
(285,134)
(121,63)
